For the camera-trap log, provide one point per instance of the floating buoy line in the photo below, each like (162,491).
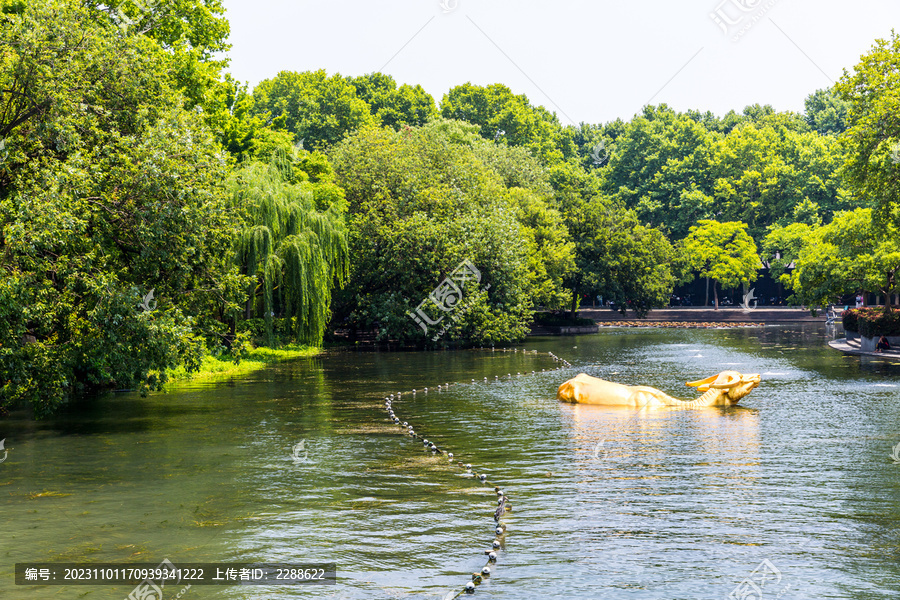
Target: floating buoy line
(503,503)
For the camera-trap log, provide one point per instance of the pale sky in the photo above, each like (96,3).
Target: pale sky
(587,61)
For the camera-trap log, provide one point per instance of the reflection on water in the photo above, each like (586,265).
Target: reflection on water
(300,464)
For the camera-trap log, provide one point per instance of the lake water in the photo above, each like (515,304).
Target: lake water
(607,503)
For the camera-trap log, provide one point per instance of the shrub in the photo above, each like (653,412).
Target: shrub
(850,319)
(875,323)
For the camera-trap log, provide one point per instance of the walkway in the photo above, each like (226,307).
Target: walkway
(852,347)
(763,314)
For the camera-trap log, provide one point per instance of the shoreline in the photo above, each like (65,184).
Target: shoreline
(849,348)
(214,369)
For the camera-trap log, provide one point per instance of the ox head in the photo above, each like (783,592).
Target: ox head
(733,385)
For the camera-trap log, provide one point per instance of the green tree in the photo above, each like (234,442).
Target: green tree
(873,162)
(111,190)
(781,249)
(827,112)
(319,110)
(393,106)
(295,253)
(723,252)
(511,119)
(763,171)
(618,258)
(661,168)
(852,253)
(422,200)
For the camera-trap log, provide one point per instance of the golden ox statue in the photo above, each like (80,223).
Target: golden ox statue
(724,389)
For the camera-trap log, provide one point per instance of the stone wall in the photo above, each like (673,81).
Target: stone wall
(867,344)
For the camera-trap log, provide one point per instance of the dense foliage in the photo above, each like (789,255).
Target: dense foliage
(872,322)
(421,201)
(153,209)
(850,253)
(110,190)
(723,252)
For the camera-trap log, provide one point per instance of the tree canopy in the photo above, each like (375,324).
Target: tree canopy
(723,252)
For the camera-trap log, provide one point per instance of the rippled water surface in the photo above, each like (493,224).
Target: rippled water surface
(607,504)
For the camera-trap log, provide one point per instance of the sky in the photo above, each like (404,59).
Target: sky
(586,61)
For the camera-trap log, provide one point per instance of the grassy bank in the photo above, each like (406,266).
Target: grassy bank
(213,368)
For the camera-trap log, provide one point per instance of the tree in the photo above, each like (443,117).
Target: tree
(781,249)
(423,200)
(723,252)
(508,118)
(319,110)
(661,168)
(852,253)
(618,258)
(393,106)
(827,112)
(295,253)
(873,163)
(763,171)
(112,219)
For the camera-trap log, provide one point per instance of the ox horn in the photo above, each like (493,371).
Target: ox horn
(706,381)
(733,380)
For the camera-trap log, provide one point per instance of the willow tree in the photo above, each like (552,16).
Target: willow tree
(296,252)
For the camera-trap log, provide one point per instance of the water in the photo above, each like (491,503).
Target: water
(607,503)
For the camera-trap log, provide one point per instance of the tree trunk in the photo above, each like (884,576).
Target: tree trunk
(706,301)
(574,302)
(232,332)
(716,295)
